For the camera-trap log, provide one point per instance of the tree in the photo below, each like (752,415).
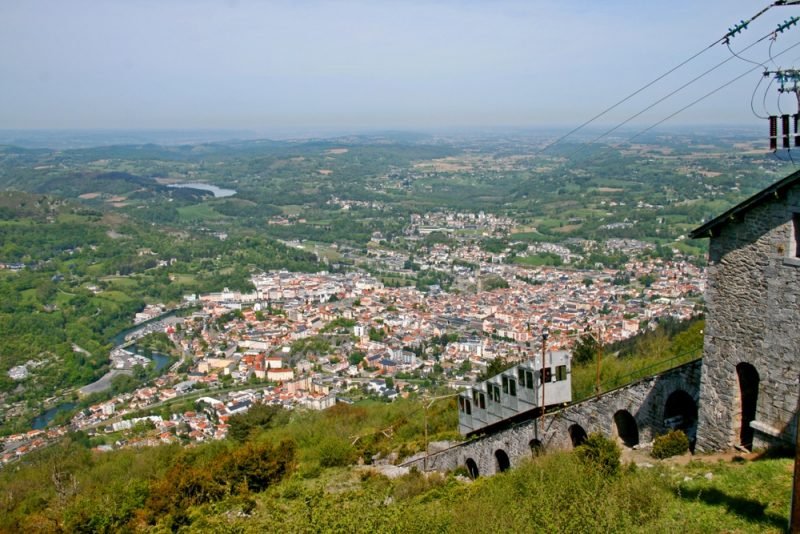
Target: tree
(654,345)
(259,416)
(647,280)
(585,350)
(494,282)
(601,453)
(355,357)
(377,334)
(495,367)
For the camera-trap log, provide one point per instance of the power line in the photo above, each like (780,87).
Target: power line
(684,108)
(654,104)
(731,33)
(674,92)
(753,97)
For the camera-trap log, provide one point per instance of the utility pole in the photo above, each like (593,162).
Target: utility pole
(425,460)
(542,373)
(599,359)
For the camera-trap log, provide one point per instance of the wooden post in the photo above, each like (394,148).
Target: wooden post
(425,459)
(544,366)
(599,361)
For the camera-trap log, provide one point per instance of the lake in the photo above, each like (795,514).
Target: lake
(217,191)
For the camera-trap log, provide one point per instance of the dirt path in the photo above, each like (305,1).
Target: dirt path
(642,456)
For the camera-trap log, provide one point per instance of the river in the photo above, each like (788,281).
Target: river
(161,362)
(42,420)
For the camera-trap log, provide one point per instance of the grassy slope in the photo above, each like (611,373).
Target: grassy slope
(554,493)
(323,493)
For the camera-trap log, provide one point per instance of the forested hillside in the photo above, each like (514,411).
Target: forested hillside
(75,276)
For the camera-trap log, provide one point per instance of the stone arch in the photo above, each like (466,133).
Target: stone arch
(537,447)
(503,462)
(577,434)
(748,401)
(680,413)
(472,468)
(627,429)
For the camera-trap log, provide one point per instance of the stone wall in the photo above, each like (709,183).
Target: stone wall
(753,319)
(643,401)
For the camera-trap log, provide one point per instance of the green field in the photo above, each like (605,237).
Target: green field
(199,212)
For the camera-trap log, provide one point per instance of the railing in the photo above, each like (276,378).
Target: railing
(639,374)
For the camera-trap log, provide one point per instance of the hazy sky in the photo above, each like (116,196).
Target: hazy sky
(372,63)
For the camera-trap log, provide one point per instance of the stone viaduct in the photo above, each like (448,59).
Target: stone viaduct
(634,413)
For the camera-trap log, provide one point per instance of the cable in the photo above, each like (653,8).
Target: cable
(626,121)
(681,110)
(788,153)
(651,106)
(769,51)
(725,38)
(748,60)
(766,92)
(752,100)
(687,84)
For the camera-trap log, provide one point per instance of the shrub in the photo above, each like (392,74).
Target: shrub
(460,471)
(415,483)
(670,444)
(210,473)
(601,453)
(259,416)
(335,452)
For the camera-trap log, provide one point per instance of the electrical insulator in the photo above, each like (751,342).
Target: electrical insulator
(785,131)
(773,132)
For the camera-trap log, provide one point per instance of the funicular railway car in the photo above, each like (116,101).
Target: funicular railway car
(515,394)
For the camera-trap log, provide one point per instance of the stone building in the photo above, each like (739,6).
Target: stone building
(751,364)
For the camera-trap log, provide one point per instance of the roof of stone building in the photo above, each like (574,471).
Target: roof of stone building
(773,192)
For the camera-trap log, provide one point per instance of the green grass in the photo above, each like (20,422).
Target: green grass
(616,372)
(199,212)
(121,282)
(185,279)
(740,497)
(553,493)
(324,250)
(533,261)
(556,492)
(530,236)
(113,296)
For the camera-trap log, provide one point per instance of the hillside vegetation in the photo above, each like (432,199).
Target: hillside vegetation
(296,475)
(80,275)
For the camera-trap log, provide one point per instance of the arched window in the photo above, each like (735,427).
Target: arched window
(503,463)
(627,429)
(748,396)
(472,468)
(577,434)
(680,413)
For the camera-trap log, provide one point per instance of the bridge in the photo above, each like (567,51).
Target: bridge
(633,414)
